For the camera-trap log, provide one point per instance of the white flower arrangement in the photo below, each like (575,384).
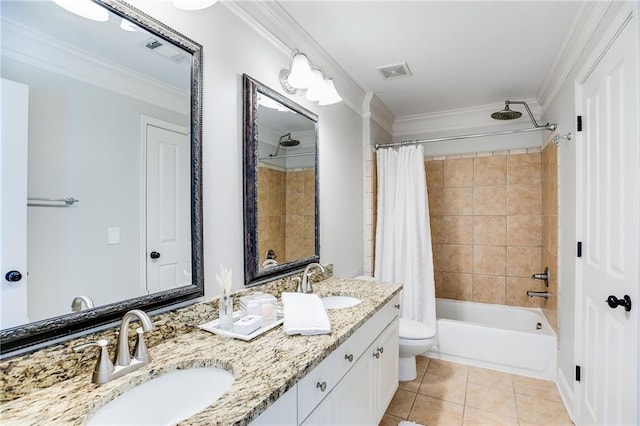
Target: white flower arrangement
(224,280)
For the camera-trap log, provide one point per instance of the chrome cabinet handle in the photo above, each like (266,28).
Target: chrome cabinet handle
(349,357)
(322,386)
(397,305)
(377,355)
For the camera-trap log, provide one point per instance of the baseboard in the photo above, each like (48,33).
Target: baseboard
(566,393)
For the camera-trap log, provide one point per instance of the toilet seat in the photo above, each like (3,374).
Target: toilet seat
(414,330)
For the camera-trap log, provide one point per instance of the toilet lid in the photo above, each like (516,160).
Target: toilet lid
(414,330)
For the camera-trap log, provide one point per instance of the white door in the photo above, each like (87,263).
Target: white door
(607,225)
(13,213)
(168,209)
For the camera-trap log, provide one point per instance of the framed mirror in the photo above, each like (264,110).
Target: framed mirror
(281,214)
(105,202)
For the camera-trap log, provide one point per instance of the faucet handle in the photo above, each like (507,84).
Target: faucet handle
(104,367)
(140,351)
(299,287)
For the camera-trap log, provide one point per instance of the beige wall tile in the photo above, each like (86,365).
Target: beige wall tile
(457,229)
(437,277)
(490,200)
(524,261)
(524,169)
(457,201)
(437,256)
(489,260)
(489,289)
(489,171)
(435,223)
(524,199)
(309,226)
(436,201)
(310,181)
(456,258)
(458,172)
(294,182)
(457,286)
(434,172)
(516,294)
(294,226)
(524,230)
(296,204)
(489,230)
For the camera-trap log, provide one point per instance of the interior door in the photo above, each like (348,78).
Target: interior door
(168,209)
(13,212)
(607,205)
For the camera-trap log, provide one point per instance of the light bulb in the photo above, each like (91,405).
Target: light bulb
(330,95)
(300,75)
(316,88)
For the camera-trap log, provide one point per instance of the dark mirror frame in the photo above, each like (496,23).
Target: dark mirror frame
(37,333)
(252,273)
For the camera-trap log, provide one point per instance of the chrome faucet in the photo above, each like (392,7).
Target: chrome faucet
(78,301)
(304,285)
(105,370)
(544,276)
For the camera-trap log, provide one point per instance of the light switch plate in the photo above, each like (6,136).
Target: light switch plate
(113,235)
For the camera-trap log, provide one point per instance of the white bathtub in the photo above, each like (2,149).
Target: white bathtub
(498,337)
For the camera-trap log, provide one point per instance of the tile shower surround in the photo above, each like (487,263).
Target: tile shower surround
(286,221)
(486,226)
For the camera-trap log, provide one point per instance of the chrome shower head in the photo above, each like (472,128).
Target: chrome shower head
(506,113)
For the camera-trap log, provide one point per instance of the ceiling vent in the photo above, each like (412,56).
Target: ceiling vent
(163,50)
(394,71)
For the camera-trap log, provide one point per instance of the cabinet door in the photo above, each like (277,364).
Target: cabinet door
(324,413)
(388,367)
(352,396)
(384,369)
(282,412)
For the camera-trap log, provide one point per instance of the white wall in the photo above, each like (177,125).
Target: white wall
(230,48)
(562,111)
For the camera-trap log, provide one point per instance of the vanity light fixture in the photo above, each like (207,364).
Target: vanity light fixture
(85,8)
(304,75)
(193,4)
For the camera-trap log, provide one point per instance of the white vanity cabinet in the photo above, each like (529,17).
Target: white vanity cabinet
(353,385)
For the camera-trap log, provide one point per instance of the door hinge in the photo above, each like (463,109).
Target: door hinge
(579,250)
(577,373)
(579,123)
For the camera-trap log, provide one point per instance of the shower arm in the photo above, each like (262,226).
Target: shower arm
(547,126)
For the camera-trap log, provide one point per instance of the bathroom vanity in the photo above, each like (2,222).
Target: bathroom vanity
(346,377)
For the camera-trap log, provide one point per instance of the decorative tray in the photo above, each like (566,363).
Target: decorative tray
(212,327)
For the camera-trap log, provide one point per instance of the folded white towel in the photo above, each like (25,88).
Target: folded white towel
(304,314)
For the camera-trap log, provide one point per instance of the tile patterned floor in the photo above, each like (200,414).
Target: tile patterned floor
(446,393)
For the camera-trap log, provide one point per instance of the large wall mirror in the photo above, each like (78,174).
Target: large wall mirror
(101,201)
(281,184)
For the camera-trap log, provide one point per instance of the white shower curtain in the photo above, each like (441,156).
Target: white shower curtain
(403,235)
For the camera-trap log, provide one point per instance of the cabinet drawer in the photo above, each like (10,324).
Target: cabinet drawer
(316,385)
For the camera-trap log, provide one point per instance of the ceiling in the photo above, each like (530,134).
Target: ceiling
(461,54)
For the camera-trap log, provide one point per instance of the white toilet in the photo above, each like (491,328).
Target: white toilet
(416,338)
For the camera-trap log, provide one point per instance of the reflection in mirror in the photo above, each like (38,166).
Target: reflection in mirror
(106,148)
(281,210)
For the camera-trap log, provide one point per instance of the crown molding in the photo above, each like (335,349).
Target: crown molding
(374,108)
(581,29)
(477,117)
(272,21)
(27,46)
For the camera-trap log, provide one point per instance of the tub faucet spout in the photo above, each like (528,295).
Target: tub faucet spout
(543,294)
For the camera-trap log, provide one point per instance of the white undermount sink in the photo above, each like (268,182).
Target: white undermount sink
(167,399)
(339,302)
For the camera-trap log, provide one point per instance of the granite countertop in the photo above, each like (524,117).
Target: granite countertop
(264,368)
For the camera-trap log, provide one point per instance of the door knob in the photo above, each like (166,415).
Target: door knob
(154,255)
(614,302)
(13,276)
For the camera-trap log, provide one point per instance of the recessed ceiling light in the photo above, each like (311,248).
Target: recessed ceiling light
(394,71)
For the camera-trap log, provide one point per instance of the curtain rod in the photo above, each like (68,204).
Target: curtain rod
(451,138)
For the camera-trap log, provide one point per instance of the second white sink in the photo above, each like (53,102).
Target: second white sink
(339,302)
(167,399)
